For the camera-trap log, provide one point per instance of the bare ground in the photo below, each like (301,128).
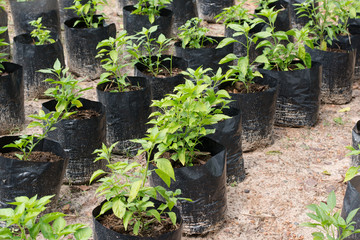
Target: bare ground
(301,167)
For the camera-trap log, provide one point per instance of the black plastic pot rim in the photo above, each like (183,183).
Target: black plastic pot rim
(102,86)
(142,68)
(163,12)
(27,35)
(70,23)
(313,65)
(214,44)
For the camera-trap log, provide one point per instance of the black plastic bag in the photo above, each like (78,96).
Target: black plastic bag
(79,138)
(355,143)
(4,35)
(283,20)
(351,202)
(208,9)
(354,25)
(134,23)
(347,42)
(81,45)
(159,85)
(27,178)
(33,58)
(298,101)
(228,134)
(12,114)
(104,233)
(25,11)
(338,73)
(126,114)
(123,3)
(258,114)
(239,49)
(207,57)
(183,10)
(206,186)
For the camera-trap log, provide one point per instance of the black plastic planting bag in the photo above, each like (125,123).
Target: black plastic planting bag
(79,138)
(33,58)
(183,10)
(258,114)
(283,20)
(27,178)
(351,202)
(11,98)
(206,186)
(207,57)
(228,134)
(126,114)
(104,233)
(347,42)
(338,73)
(208,9)
(25,11)
(355,143)
(134,23)
(159,85)
(298,101)
(66,14)
(123,3)
(4,35)
(81,45)
(354,25)
(239,49)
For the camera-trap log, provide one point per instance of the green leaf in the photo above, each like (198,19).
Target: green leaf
(136,228)
(119,209)
(228,58)
(331,201)
(127,218)
(351,173)
(96,174)
(261,59)
(351,215)
(135,187)
(225,42)
(172,216)
(155,213)
(59,224)
(46,230)
(83,234)
(165,165)
(165,177)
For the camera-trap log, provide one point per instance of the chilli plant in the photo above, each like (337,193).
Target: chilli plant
(151,8)
(183,115)
(127,194)
(24,222)
(149,51)
(192,35)
(279,52)
(115,58)
(329,224)
(87,12)
(40,33)
(234,14)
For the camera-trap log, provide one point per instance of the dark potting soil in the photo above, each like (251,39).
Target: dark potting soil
(84,114)
(239,87)
(164,72)
(336,50)
(36,156)
(114,88)
(154,229)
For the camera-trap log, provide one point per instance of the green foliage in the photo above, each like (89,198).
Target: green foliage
(149,51)
(325,15)
(87,12)
(126,193)
(29,225)
(150,7)
(179,124)
(244,70)
(192,35)
(2,4)
(26,143)
(352,171)
(276,55)
(2,55)
(328,222)
(67,92)
(234,14)
(114,58)
(40,32)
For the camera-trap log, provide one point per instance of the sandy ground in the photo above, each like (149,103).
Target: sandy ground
(301,167)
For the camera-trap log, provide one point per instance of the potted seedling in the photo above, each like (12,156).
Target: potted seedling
(130,209)
(148,13)
(198,162)
(11,93)
(329,224)
(43,46)
(197,48)
(48,10)
(126,99)
(32,164)
(4,23)
(208,9)
(337,59)
(82,35)
(253,95)
(83,132)
(299,78)
(163,71)
(283,21)
(65,12)
(29,221)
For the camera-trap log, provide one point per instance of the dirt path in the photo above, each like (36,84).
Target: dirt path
(302,167)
